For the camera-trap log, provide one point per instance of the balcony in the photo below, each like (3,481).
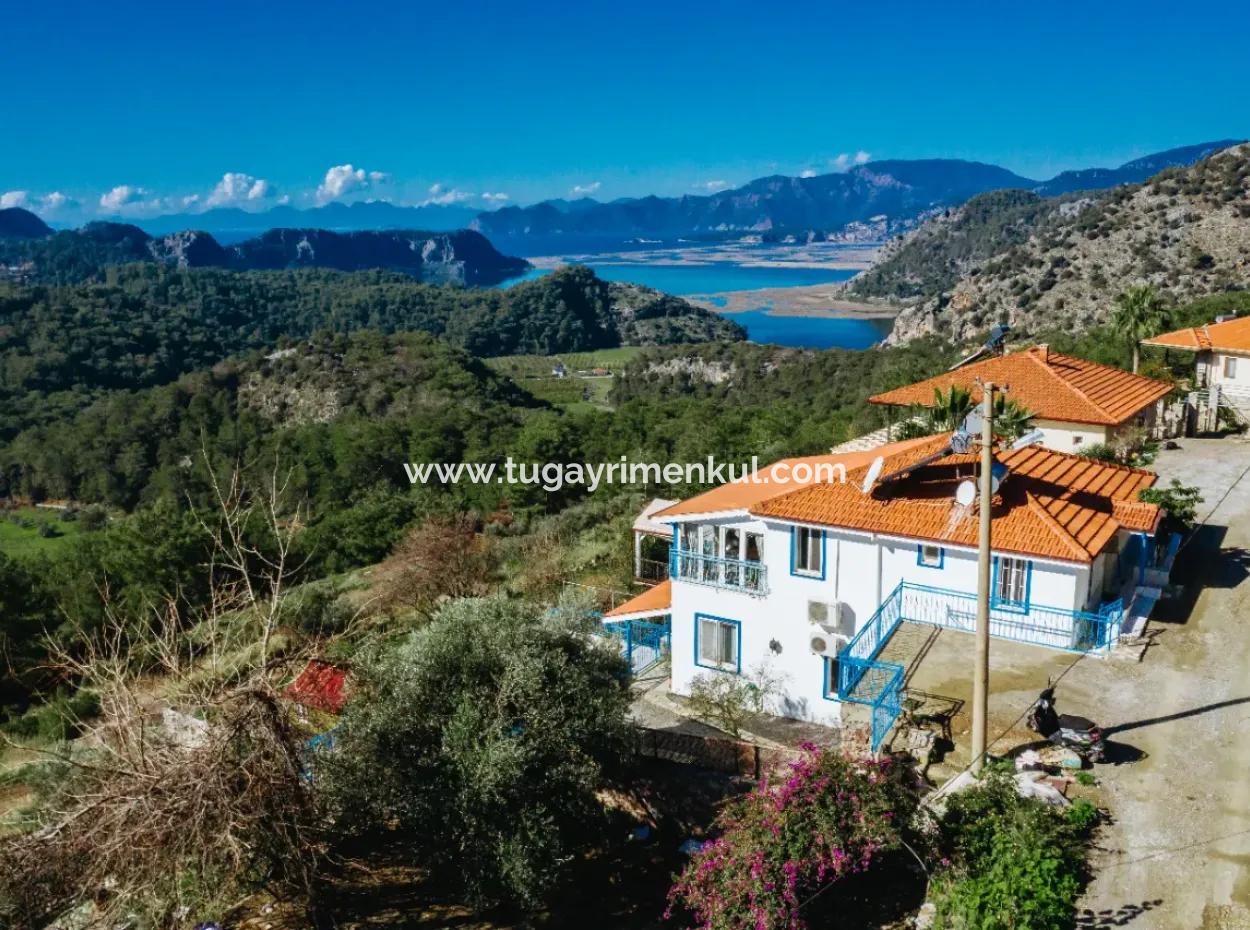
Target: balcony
(730,574)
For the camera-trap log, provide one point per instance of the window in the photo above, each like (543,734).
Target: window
(831,678)
(1230,366)
(1077,440)
(716,642)
(1011,583)
(930,556)
(809,551)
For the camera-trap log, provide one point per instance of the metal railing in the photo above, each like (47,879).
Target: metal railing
(865,679)
(651,570)
(644,642)
(734,574)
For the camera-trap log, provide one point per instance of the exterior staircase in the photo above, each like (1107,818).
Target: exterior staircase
(873,440)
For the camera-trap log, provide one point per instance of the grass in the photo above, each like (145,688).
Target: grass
(580,388)
(20,531)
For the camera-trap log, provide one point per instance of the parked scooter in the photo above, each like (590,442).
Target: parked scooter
(1079,734)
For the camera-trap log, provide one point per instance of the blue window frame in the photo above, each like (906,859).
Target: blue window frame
(830,688)
(718,643)
(807,552)
(1011,583)
(930,556)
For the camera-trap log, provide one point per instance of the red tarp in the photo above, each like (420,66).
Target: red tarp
(321,686)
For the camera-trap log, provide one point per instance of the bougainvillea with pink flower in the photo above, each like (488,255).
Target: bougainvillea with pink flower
(823,818)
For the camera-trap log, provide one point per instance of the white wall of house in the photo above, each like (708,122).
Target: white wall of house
(1231,372)
(860,570)
(1069,437)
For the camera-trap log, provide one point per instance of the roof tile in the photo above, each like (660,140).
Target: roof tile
(1050,385)
(1230,336)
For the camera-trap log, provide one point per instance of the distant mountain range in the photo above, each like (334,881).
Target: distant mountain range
(1131,172)
(869,202)
(29,249)
(373,214)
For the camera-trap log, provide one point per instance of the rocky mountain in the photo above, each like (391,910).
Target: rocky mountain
(1058,263)
(777,204)
(1132,172)
(462,257)
(16,223)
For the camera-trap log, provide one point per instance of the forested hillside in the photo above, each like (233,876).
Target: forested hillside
(63,346)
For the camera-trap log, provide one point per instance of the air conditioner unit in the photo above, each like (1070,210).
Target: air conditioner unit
(832,617)
(824,643)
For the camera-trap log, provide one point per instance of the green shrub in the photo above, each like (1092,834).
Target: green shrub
(1100,452)
(481,740)
(1010,863)
(1179,502)
(58,719)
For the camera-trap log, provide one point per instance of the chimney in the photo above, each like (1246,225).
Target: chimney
(1043,352)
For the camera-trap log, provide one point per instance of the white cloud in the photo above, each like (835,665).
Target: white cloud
(494,197)
(14,199)
(585,190)
(122,196)
(445,196)
(807,173)
(236,188)
(846,161)
(55,201)
(342,180)
(713,186)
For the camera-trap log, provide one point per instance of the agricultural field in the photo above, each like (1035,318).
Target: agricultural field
(27,531)
(588,379)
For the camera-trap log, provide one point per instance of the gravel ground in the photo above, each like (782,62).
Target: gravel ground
(1178,852)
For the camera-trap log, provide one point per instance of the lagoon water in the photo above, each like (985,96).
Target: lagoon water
(710,278)
(802,332)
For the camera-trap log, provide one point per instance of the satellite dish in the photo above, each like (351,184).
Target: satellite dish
(973,423)
(998,474)
(966,493)
(874,472)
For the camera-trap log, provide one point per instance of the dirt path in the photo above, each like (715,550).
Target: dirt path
(1178,853)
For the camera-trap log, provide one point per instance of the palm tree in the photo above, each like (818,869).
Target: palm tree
(1010,419)
(949,409)
(1139,314)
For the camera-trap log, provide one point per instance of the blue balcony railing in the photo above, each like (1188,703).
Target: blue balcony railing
(865,679)
(734,574)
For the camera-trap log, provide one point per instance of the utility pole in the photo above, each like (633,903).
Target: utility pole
(981,670)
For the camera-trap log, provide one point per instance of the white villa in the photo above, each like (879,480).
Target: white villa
(813,578)
(1074,402)
(1221,360)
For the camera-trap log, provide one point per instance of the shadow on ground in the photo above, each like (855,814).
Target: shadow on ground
(1120,917)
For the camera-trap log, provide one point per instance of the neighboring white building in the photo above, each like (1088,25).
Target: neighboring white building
(1074,402)
(1221,350)
(761,573)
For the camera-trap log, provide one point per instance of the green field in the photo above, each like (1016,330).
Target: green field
(20,533)
(533,372)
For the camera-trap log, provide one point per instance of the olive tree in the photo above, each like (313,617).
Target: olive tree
(481,740)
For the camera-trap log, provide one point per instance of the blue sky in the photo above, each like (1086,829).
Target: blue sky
(151,105)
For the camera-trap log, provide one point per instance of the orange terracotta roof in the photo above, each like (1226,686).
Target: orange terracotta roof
(744,494)
(653,601)
(1051,386)
(1053,504)
(1229,336)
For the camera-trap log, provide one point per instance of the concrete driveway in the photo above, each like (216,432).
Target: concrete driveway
(1177,716)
